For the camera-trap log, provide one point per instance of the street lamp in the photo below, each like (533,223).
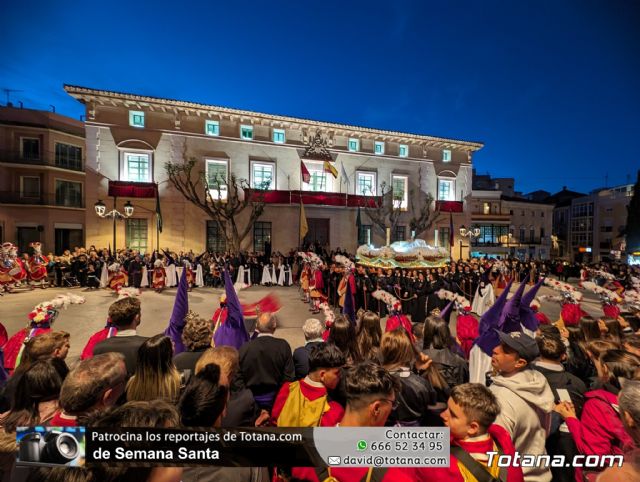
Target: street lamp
(113,214)
(468,233)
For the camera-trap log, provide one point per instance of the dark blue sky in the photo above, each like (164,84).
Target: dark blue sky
(551,87)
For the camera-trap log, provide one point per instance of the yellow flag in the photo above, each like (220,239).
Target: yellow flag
(304,227)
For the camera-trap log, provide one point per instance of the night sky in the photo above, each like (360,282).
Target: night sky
(551,87)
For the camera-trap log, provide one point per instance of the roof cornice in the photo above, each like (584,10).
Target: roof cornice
(87,95)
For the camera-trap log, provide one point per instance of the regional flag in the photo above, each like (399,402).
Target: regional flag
(306,176)
(330,168)
(304,227)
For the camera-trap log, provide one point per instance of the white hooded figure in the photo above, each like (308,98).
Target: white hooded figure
(484,298)
(172,277)
(104,276)
(199,276)
(284,278)
(266,276)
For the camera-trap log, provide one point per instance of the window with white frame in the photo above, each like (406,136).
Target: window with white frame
(263,175)
(136,118)
(378,147)
(365,183)
(446,190)
(246,132)
(217,171)
(354,145)
(29,186)
(403,150)
(400,188)
(446,155)
(320,181)
(136,167)
(278,136)
(212,127)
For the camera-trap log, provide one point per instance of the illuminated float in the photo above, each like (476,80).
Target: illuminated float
(414,254)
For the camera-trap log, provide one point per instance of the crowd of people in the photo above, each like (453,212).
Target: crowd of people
(514,383)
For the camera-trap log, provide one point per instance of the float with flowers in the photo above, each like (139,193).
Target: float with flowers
(415,254)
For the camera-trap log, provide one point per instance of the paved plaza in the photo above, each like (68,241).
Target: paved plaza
(83,320)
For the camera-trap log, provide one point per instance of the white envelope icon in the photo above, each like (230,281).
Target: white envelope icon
(333,460)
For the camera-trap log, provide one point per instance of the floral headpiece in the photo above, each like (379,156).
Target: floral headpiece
(47,311)
(346,262)
(606,296)
(460,302)
(391,301)
(129,292)
(329,315)
(570,294)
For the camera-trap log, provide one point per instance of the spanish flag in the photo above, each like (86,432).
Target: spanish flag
(304,227)
(330,168)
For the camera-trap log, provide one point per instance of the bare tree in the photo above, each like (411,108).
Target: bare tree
(421,213)
(209,196)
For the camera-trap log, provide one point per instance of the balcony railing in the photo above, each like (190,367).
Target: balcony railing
(317,198)
(450,206)
(41,159)
(43,199)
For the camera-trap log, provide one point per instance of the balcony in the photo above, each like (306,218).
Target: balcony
(48,159)
(317,198)
(15,197)
(450,206)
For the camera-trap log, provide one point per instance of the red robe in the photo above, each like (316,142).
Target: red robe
(467,331)
(159,278)
(15,343)
(96,338)
(611,311)
(329,418)
(571,313)
(355,474)
(118,280)
(38,267)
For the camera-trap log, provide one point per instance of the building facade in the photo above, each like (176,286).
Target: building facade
(42,179)
(510,226)
(129,138)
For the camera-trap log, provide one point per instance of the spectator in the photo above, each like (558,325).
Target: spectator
(94,384)
(470,415)
(631,344)
(525,398)
(312,330)
(125,315)
(369,336)
(202,405)
(196,338)
(155,375)
(343,334)
(266,362)
(416,393)
(552,353)
(437,345)
(371,396)
(304,403)
(599,431)
(242,410)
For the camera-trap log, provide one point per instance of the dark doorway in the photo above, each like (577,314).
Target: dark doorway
(318,231)
(26,236)
(68,239)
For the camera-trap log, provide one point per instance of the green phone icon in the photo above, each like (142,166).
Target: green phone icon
(362,445)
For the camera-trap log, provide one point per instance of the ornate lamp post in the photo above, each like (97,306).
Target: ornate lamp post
(468,233)
(113,214)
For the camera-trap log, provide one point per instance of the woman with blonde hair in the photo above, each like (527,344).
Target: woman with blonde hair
(368,336)
(155,376)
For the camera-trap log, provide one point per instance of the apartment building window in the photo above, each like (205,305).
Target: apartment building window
(364,236)
(533,214)
(278,136)
(217,171)
(136,118)
(532,234)
(212,127)
(30,148)
(399,233)
(354,145)
(216,241)
(246,132)
(68,156)
(136,234)
(365,183)
(446,155)
(446,190)
(137,167)
(400,188)
(522,233)
(29,187)
(261,234)
(486,208)
(541,233)
(320,181)
(263,175)
(378,147)
(542,214)
(68,193)
(403,150)
(442,237)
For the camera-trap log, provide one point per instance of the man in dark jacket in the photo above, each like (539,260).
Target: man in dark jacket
(552,353)
(312,330)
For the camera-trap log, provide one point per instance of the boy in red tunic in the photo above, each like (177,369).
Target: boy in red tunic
(304,403)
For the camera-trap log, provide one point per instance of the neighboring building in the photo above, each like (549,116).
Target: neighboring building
(510,226)
(42,179)
(484,182)
(610,221)
(561,221)
(131,137)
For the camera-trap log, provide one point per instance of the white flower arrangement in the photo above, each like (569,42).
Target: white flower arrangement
(568,290)
(603,274)
(460,301)
(387,298)
(129,292)
(608,295)
(346,262)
